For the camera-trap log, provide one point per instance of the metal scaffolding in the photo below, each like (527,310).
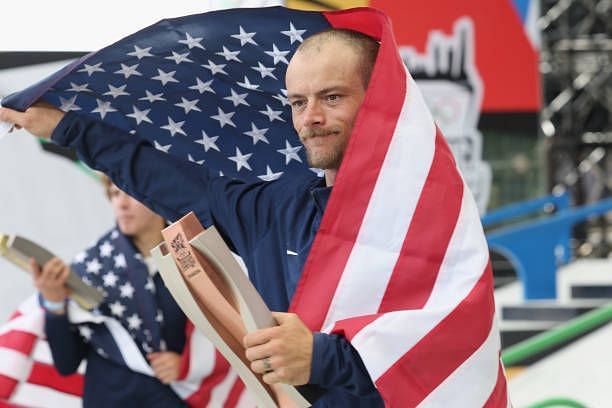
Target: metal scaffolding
(576,119)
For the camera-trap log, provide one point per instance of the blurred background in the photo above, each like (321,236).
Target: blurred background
(522,90)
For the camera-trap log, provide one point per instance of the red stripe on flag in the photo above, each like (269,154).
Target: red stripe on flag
(426,242)
(499,396)
(364,156)
(186,354)
(418,372)
(18,340)
(201,397)
(46,375)
(15,315)
(234,394)
(348,328)
(7,386)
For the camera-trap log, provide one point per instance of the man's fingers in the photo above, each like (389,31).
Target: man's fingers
(258,352)
(11,116)
(35,268)
(281,317)
(259,337)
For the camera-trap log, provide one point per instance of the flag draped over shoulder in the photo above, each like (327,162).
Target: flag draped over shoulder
(401,232)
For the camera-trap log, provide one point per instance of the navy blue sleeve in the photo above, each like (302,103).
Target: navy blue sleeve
(166,184)
(67,347)
(335,363)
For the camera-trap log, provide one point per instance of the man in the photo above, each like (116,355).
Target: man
(271,225)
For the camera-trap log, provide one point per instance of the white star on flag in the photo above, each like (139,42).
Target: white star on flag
(150,286)
(191,42)
(272,114)
(80,257)
(174,127)
(165,77)
(106,249)
(127,290)
(110,279)
(237,99)
(103,108)
(282,97)
(278,55)
(85,332)
(116,91)
(270,175)
(208,142)
(79,88)
(117,308)
(257,134)
(191,159)
(152,97)
(241,160)
(202,86)
(244,37)
(140,52)
(178,58)
(247,84)
(224,118)
(264,71)
(140,115)
(90,69)
(290,152)
(134,322)
(188,105)
(214,68)
(93,266)
(229,55)
(160,147)
(293,34)
(120,261)
(69,104)
(128,70)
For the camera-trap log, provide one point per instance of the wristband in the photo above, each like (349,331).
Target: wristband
(52,306)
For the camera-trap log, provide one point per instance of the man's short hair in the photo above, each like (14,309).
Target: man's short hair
(365,46)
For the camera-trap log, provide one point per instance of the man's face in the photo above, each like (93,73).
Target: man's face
(133,218)
(325,88)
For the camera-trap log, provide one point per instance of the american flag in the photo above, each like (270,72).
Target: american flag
(401,232)
(208,88)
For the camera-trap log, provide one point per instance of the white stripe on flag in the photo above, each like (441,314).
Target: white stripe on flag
(31,395)
(15,365)
(42,353)
(201,365)
(480,368)
(219,394)
(464,263)
(32,323)
(389,213)
(128,349)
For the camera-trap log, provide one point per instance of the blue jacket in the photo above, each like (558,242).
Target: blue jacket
(108,384)
(271,225)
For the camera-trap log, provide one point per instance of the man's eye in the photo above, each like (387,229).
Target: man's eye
(333,98)
(297,104)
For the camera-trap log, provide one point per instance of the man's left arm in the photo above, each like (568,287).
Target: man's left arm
(290,353)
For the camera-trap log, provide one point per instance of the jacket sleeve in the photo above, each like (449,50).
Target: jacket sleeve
(335,363)
(67,347)
(166,184)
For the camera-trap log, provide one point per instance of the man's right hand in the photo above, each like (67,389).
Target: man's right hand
(39,119)
(51,279)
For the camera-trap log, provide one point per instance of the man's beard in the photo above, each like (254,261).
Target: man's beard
(329,158)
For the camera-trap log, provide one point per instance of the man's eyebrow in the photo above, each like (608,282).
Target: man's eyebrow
(336,88)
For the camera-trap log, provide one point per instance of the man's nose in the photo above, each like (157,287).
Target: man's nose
(314,114)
